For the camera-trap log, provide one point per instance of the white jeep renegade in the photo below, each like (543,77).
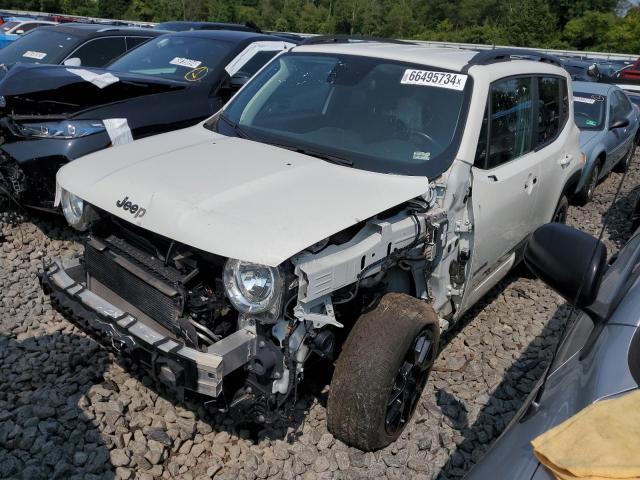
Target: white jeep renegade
(351,202)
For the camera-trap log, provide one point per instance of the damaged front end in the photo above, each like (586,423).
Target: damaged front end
(165,306)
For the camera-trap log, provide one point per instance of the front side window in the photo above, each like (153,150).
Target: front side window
(589,110)
(99,52)
(614,108)
(379,115)
(256,62)
(133,42)
(624,105)
(175,57)
(511,122)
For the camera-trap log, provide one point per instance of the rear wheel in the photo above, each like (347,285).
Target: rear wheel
(381,372)
(560,215)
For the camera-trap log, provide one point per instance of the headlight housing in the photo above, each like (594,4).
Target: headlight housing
(78,214)
(66,129)
(253,288)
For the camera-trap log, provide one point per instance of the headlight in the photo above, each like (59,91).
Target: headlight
(78,214)
(64,130)
(253,288)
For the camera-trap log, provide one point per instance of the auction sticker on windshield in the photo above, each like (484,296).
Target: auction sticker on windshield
(32,54)
(453,81)
(590,101)
(185,62)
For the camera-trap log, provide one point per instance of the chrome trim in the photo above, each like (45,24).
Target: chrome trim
(220,359)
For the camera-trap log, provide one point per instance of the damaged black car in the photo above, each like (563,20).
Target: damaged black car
(51,114)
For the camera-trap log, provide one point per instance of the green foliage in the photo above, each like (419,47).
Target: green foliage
(571,24)
(590,31)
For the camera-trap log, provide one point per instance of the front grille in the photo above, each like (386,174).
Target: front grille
(132,279)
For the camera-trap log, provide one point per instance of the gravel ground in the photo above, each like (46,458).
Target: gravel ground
(68,409)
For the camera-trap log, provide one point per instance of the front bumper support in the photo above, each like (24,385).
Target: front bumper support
(167,359)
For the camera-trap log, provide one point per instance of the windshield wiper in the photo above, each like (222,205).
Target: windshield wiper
(236,127)
(321,155)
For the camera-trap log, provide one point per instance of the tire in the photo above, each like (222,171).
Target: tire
(623,165)
(560,214)
(585,195)
(380,347)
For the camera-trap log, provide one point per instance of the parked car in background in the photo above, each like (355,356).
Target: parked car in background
(364,190)
(54,114)
(182,26)
(88,45)
(608,124)
(599,357)
(629,72)
(581,70)
(16,27)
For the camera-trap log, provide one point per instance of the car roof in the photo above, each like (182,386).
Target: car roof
(593,87)
(447,58)
(88,30)
(441,57)
(232,36)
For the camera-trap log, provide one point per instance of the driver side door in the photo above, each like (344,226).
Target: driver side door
(504,186)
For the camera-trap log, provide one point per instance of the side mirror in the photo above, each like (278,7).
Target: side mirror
(19,32)
(73,62)
(570,261)
(619,123)
(238,80)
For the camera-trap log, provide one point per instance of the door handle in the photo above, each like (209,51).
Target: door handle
(566,160)
(530,183)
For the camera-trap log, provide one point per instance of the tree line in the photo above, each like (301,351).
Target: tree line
(600,25)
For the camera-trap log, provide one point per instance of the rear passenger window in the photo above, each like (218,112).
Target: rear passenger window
(549,109)
(511,121)
(99,52)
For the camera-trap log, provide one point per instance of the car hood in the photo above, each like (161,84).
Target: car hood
(233,197)
(588,138)
(56,90)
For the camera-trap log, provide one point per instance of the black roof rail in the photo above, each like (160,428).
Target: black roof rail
(486,57)
(320,39)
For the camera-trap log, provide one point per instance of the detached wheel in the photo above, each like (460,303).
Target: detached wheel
(585,195)
(560,215)
(381,372)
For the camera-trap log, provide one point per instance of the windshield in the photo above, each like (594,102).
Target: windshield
(175,57)
(378,114)
(39,46)
(588,110)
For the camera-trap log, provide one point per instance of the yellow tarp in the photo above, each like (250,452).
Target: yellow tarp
(602,442)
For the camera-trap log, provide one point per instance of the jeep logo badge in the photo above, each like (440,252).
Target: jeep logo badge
(133,208)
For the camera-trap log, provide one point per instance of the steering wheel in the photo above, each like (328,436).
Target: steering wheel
(421,136)
(404,131)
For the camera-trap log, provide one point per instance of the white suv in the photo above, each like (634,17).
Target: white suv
(352,201)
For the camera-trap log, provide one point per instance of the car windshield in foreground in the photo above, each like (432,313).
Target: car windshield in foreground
(588,110)
(377,114)
(182,58)
(39,46)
